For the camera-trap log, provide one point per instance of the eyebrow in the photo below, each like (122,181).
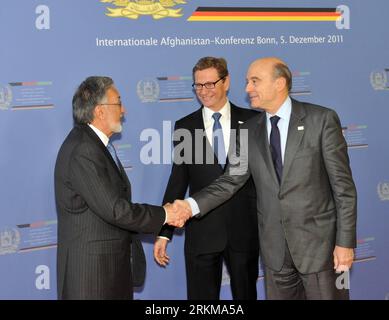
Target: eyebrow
(207,82)
(252,78)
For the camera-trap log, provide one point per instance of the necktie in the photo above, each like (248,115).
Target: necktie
(275,146)
(112,151)
(218,139)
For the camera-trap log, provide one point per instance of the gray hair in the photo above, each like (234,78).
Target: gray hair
(90,93)
(282,71)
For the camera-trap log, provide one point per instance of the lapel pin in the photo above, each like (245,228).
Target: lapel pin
(300,128)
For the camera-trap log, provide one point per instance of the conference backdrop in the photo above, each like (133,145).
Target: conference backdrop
(338,51)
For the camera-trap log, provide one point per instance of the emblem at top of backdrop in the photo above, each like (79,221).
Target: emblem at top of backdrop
(133,9)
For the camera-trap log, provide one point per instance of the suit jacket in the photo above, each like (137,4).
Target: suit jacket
(234,222)
(314,208)
(96,221)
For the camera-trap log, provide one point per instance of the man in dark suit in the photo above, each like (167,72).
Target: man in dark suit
(297,156)
(230,233)
(96,218)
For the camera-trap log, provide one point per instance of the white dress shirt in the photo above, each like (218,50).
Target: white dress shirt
(225,122)
(283,124)
(104,139)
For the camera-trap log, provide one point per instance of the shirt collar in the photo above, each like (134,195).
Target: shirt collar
(225,112)
(104,139)
(284,111)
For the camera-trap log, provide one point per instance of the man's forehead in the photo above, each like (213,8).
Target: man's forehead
(112,91)
(208,71)
(259,69)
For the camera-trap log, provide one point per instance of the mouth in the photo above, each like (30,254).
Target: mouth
(205,97)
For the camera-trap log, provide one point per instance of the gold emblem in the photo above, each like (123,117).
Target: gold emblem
(133,9)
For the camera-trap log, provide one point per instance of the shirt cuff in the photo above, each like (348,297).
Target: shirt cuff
(165,215)
(162,237)
(193,206)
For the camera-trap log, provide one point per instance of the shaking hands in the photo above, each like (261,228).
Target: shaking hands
(177,213)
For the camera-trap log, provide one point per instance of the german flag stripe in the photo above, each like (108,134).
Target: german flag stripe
(264,14)
(255,9)
(275,18)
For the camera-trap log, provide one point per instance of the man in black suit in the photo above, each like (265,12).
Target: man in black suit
(97,255)
(230,233)
(297,156)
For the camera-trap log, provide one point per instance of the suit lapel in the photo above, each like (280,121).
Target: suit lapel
(295,135)
(261,138)
(198,121)
(234,126)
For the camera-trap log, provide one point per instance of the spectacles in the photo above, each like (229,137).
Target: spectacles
(207,85)
(112,104)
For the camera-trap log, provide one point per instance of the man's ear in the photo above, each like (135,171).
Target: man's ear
(98,112)
(281,83)
(227,83)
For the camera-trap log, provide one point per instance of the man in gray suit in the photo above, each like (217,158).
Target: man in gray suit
(98,257)
(297,156)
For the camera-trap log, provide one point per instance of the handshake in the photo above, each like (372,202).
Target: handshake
(177,213)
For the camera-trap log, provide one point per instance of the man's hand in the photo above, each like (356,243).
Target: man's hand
(160,252)
(178,213)
(183,206)
(343,258)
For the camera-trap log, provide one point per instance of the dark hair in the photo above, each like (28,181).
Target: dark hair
(282,70)
(220,64)
(90,93)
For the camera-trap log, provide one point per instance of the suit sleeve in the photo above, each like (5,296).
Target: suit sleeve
(234,178)
(178,180)
(339,172)
(90,178)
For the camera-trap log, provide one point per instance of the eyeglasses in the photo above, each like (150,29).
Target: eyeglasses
(207,85)
(112,104)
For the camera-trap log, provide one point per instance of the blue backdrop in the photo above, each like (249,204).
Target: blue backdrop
(149,48)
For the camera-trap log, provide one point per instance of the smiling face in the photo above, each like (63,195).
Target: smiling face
(263,88)
(215,98)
